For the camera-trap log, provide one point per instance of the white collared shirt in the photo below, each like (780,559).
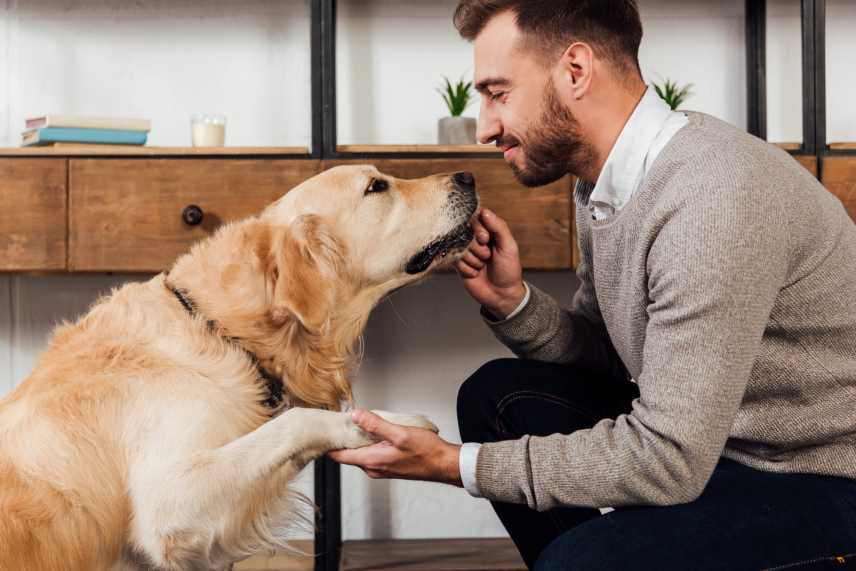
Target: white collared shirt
(647,132)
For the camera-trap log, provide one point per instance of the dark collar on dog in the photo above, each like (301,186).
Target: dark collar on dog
(274,386)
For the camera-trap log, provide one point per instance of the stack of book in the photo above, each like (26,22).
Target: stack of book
(75,130)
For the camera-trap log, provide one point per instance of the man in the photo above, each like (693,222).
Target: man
(703,382)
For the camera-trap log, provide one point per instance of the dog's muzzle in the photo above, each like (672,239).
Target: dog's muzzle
(462,204)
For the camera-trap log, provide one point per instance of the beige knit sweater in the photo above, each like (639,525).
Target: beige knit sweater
(727,289)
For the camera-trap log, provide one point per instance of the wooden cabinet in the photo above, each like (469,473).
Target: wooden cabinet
(128,215)
(540,218)
(839,176)
(33,215)
(809,162)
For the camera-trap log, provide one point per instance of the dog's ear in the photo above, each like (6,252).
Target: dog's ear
(305,267)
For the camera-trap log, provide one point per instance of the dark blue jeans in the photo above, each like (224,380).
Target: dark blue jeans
(744,519)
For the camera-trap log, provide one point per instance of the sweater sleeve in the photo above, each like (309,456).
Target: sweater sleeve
(544,331)
(714,269)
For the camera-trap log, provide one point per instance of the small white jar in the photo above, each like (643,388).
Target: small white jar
(208,130)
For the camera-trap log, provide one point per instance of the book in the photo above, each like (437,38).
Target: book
(96,147)
(87,146)
(83,122)
(49,135)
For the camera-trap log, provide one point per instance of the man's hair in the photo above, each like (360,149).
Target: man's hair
(612,28)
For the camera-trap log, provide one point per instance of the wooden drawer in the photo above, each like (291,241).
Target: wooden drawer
(540,218)
(33,214)
(809,162)
(126,214)
(839,176)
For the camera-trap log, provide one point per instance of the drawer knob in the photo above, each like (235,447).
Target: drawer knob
(192,215)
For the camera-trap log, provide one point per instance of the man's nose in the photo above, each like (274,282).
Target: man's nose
(489,128)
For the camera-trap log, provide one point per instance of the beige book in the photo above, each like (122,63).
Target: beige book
(83,122)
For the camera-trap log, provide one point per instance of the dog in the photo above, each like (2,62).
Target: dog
(162,429)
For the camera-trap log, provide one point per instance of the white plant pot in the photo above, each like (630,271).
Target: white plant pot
(456,131)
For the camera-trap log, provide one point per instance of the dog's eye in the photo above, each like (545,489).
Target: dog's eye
(377,185)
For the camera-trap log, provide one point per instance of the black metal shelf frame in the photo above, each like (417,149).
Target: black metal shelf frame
(328,537)
(813,22)
(813,16)
(324,104)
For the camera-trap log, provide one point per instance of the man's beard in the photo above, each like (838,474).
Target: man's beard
(555,146)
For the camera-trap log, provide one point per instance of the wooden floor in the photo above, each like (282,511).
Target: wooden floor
(432,555)
(405,555)
(281,562)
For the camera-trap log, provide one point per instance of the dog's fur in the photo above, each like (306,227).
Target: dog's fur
(141,441)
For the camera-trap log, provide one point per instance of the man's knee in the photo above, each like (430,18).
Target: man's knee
(595,544)
(476,395)
(484,382)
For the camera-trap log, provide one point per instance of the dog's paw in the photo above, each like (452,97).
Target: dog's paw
(411,420)
(355,437)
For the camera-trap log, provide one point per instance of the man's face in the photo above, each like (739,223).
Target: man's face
(521,109)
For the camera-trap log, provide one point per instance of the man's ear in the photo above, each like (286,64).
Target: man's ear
(306,269)
(576,65)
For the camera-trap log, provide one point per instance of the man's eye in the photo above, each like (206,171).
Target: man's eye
(497,96)
(377,185)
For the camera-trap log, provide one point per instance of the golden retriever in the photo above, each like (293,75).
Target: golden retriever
(162,429)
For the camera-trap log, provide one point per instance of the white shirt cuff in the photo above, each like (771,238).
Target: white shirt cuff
(468,459)
(523,303)
(519,308)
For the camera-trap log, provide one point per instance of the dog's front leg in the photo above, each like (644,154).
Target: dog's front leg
(211,507)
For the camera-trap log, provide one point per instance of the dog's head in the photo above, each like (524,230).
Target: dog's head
(297,284)
(354,232)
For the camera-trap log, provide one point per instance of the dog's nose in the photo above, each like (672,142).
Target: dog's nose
(464,180)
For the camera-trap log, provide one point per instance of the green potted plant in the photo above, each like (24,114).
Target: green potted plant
(672,94)
(455,129)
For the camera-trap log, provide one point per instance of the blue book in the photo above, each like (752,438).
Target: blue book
(50,135)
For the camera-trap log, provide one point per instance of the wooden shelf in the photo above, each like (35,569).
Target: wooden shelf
(440,149)
(431,555)
(840,146)
(131,151)
(789,146)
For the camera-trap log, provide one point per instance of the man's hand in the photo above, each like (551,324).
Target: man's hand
(491,269)
(405,453)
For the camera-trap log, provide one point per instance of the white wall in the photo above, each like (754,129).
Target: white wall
(249,59)
(701,43)
(387,99)
(393,54)
(784,71)
(840,70)
(36,305)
